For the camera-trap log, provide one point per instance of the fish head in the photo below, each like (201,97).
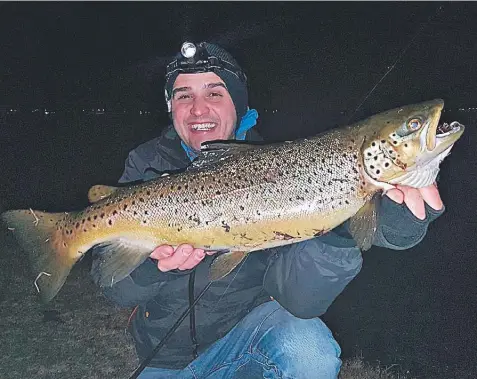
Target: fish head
(406,145)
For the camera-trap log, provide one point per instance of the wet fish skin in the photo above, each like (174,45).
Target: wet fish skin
(238,198)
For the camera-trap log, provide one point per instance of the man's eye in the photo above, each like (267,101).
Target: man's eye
(183,96)
(215,94)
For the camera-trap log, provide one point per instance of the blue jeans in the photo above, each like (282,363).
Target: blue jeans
(267,343)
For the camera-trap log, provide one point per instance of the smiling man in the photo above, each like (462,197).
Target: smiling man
(202,109)
(262,320)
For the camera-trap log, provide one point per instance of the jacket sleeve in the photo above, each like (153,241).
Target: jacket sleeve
(306,277)
(133,168)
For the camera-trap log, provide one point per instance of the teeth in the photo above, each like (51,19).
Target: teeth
(447,129)
(205,126)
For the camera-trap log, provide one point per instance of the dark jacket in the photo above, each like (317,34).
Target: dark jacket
(304,277)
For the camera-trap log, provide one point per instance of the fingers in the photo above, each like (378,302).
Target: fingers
(184,257)
(162,252)
(432,197)
(395,195)
(193,260)
(414,201)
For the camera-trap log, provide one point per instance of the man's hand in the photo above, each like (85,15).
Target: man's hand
(414,198)
(184,257)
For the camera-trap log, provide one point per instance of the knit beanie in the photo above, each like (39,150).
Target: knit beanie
(207,57)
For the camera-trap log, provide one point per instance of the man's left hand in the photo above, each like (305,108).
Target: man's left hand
(414,198)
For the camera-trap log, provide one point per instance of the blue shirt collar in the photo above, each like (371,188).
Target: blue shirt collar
(249,120)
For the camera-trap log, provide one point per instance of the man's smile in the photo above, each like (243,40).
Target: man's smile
(204,126)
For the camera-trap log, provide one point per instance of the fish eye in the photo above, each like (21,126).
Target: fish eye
(414,124)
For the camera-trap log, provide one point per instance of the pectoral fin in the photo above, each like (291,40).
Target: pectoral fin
(224,264)
(364,223)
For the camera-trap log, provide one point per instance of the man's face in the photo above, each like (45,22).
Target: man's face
(202,109)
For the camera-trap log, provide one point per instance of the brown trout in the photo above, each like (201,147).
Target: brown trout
(243,198)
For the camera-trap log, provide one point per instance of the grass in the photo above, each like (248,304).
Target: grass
(357,368)
(80,334)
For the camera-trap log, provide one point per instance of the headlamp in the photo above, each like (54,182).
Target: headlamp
(188,50)
(195,59)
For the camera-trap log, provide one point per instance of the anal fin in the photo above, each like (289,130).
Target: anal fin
(118,259)
(225,263)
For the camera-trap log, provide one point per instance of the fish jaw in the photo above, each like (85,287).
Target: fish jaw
(434,149)
(406,145)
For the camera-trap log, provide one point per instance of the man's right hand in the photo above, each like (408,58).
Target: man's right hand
(185,257)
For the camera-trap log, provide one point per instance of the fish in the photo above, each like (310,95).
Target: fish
(240,197)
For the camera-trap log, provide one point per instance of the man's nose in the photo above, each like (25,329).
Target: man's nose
(199,107)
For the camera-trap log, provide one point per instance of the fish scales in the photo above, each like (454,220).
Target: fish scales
(252,202)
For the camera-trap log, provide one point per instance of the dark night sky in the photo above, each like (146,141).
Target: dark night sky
(323,55)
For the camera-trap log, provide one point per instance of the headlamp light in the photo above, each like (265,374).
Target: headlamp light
(188,50)
(195,59)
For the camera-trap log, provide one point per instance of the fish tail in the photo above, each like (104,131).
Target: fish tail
(36,233)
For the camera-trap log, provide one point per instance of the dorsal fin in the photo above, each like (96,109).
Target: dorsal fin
(213,152)
(99,192)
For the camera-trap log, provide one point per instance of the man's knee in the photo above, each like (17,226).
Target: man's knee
(298,347)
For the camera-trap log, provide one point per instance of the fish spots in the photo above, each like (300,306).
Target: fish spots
(226,227)
(319,232)
(272,175)
(282,236)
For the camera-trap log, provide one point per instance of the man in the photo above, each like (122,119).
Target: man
(262,320)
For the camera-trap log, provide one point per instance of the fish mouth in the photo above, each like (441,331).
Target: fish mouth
(445,129)
(444,136)
(439,136)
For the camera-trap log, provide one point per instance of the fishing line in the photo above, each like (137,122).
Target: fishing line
(223,294)
(179,321)
(438,10)
(171,331)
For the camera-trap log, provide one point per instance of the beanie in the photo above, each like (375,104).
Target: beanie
(207,57)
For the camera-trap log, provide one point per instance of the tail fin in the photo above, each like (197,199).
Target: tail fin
(35,232)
